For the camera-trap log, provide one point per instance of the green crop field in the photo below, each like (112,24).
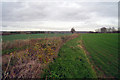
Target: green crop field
(103,53)
(30,36)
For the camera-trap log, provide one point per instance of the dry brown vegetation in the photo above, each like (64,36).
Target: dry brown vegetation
(31,61)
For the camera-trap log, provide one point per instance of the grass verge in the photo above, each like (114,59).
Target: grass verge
(72,62)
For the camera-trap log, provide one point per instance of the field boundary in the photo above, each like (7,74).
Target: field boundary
(72,62)
(90,62)
(86,53)
(61,41)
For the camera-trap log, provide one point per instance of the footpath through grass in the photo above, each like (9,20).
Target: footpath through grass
(72,62)
(103,49)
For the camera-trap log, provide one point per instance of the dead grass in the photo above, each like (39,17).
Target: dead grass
(31,62)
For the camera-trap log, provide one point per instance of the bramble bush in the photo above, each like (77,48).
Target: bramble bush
(31,61)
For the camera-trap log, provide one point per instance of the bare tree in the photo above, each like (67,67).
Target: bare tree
(72,30)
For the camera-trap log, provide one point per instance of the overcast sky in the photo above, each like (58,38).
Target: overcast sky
(58,15)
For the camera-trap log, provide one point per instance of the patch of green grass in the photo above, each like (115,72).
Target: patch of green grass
(70,63)
(103,49)
(29,36)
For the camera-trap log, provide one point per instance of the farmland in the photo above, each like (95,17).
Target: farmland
(103,53)
(35,53)
(30,36)
(23,40)
(72,62)
(100,49)
(62,55)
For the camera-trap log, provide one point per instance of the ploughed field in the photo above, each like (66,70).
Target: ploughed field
(60,56)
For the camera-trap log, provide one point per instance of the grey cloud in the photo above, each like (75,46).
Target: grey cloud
(86,12)
(52,11)
(40,11)
(4,26)
(27,11)
(109,10)
(9,10)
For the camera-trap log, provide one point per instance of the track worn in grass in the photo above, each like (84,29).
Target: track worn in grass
(72,62)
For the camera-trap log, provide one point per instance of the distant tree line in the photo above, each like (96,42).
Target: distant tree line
(21,32)
(33,32)
(108,30)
